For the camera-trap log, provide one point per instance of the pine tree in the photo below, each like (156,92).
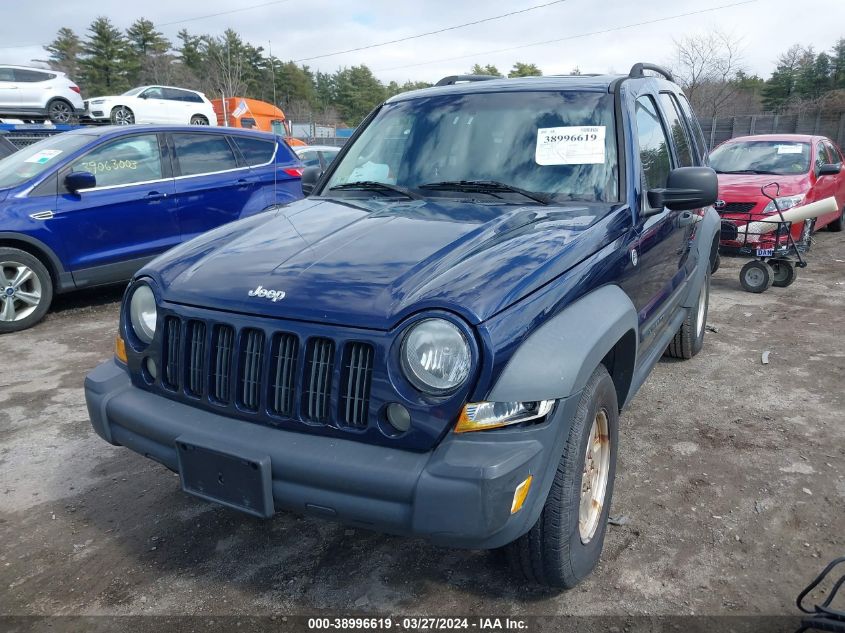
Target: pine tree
(781,87)
(521,69)
(65,51)
(489,69)
(104,66)
(838,64)
(147,50)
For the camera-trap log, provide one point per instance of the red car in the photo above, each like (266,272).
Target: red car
(807,168)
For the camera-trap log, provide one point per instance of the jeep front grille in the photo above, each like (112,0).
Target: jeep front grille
(318,380)
(285,357)
(224,341)
(358,369)
(252,358)
(254,372)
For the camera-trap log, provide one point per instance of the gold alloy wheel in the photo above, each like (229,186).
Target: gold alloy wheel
(594,478)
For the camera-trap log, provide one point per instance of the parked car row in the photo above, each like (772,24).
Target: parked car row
(93,205)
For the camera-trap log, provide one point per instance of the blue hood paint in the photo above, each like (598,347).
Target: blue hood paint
(370,263)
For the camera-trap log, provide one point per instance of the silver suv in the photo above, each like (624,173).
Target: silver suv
(36,93)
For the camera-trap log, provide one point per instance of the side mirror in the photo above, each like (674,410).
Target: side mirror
(143,95)
(310,176)
(830,169)
(686,188)
(76,181)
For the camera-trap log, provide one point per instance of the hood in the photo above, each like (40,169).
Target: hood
(370,266)
(746,187)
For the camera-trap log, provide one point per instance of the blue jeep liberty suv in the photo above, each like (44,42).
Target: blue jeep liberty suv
(439,340)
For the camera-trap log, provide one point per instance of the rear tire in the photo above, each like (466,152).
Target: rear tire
(60,112)
(26,290)
(198,119)
(837,225)
(565,544)
(714,265)
(756,276)
(689,339)
(784,272)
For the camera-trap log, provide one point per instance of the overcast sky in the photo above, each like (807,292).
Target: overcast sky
(297,30)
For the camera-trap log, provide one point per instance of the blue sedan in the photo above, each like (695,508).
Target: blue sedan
(92,206)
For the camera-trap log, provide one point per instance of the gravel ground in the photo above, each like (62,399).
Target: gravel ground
(731,475)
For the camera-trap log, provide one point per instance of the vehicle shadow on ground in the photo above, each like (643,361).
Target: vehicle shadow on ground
(90,298)
(299,561)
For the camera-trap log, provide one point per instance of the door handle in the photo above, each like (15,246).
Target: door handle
(156,195)
(243,183)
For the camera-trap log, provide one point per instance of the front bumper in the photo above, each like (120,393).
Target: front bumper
(459,494)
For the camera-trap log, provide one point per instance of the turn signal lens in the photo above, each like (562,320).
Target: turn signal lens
(478,416)
(520,494)
(120,349)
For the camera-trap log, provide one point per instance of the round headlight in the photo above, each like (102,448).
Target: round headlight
(142,313)
(435,356)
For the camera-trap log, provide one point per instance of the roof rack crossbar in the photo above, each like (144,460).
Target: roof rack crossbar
(637,71)
(451,80)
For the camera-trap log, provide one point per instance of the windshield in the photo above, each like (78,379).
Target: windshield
(562,144)
(133,92)
(764,157)
(34,160)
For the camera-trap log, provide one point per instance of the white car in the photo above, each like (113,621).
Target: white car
(153,104)
(313,155)
(36,93)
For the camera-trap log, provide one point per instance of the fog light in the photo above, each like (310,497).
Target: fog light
(151,368)
(520,494)
(398,417)
(120,349)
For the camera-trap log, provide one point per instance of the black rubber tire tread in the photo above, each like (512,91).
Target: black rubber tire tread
(717,261)
(15,254)
(72,118)
(756,289)
(544,556)
(790,270)
(837,225)
(687,342)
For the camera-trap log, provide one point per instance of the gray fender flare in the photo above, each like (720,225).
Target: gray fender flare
(706,231)
(558,358)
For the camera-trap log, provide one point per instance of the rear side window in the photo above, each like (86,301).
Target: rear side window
(677,129)
(203,153)
(186,96)
(31,76)
(255,150)
(125,161)
(654,146)
(7,74)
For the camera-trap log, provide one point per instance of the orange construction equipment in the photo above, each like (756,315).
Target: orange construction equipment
(252,113)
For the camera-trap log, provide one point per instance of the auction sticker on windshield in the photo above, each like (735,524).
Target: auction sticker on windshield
(44,156)
(576,145)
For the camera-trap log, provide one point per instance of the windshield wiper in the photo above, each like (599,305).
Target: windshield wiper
(381,187)
(486,186)
(749,171)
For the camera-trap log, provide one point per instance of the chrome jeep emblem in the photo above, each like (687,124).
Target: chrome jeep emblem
(264,293)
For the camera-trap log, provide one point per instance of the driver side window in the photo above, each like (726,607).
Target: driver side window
(126,161)
(653,144)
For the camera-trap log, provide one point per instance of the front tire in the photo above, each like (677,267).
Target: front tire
(60,112)
(565,544)
(756,276)
(26,290)
(198,119)
(837,225)
(689,339)
(121,115)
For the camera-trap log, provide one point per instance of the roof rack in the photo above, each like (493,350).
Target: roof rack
(637,71)
(451,80)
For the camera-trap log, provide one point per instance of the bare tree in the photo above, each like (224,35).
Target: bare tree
(706,66)
(227,72)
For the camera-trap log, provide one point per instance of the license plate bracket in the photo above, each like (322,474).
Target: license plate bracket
(241,480)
